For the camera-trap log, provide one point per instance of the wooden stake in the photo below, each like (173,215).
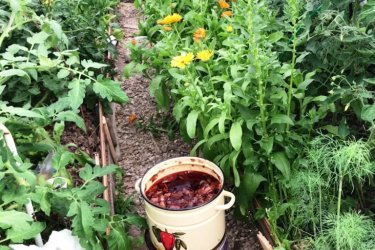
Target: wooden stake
(103,152)
(109,140)
(264,242)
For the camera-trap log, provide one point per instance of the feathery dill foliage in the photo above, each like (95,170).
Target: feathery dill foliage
(316,189)
(351,231)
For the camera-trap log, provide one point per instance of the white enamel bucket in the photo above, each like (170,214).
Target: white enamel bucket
(197,228)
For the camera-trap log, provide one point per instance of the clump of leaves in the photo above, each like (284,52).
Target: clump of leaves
(41,77)
(88,34)
(351,231)
(317,189)
(88,214)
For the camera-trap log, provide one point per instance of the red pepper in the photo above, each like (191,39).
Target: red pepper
(168,240)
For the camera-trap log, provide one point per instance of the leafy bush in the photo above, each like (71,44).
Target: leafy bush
(44,79)
(90,35)
(88,214)
(39,69)
(254,81)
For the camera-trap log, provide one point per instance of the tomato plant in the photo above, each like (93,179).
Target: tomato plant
(44,79)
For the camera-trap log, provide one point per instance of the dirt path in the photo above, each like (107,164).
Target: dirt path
(140,150)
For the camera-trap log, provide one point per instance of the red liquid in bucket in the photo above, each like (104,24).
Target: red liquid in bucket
(185,189)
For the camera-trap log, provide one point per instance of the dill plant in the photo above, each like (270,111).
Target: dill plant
(348,232)
(332,167)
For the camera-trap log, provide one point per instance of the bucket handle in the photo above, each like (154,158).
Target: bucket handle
(137,185)
(229,204)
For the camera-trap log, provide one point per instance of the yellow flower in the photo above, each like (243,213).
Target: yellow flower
(204,55)
(199,34)
(223,4)
(47,2)
(167,28)
(227,13)
(229,28)
(182,60)
(175,18)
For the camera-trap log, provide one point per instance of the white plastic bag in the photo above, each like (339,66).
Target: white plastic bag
(62,240)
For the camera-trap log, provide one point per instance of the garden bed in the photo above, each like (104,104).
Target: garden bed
(279,94)
(143,146)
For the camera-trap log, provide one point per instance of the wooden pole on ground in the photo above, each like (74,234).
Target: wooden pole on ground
(103,152)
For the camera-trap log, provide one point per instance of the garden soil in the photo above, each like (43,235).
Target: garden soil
(140,149)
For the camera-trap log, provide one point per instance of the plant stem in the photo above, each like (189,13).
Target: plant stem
(320,209)
(292,66)
(42,99)
(312,202)
(339,210)
(255,53)
(8,27)
(371,138)
(339,197)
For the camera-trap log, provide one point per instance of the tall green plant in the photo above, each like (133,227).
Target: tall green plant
(333,168)
(276,77)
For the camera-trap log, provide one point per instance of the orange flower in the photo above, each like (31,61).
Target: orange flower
(227,13)
(223,4)
(134,42)
(199,34)
(132,118)
(167,28)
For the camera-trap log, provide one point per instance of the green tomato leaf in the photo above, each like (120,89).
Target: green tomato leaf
(118,239)
(63,73)
(14,219)
(58,130)
(76,93)
(83,221)
(136,220)
(110,90)
(70,116)
(62,159)
(88,173)
(368,113)
(38,38)
(41,196)
(13,72)
(27,232)
(90,64)
(19,112)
